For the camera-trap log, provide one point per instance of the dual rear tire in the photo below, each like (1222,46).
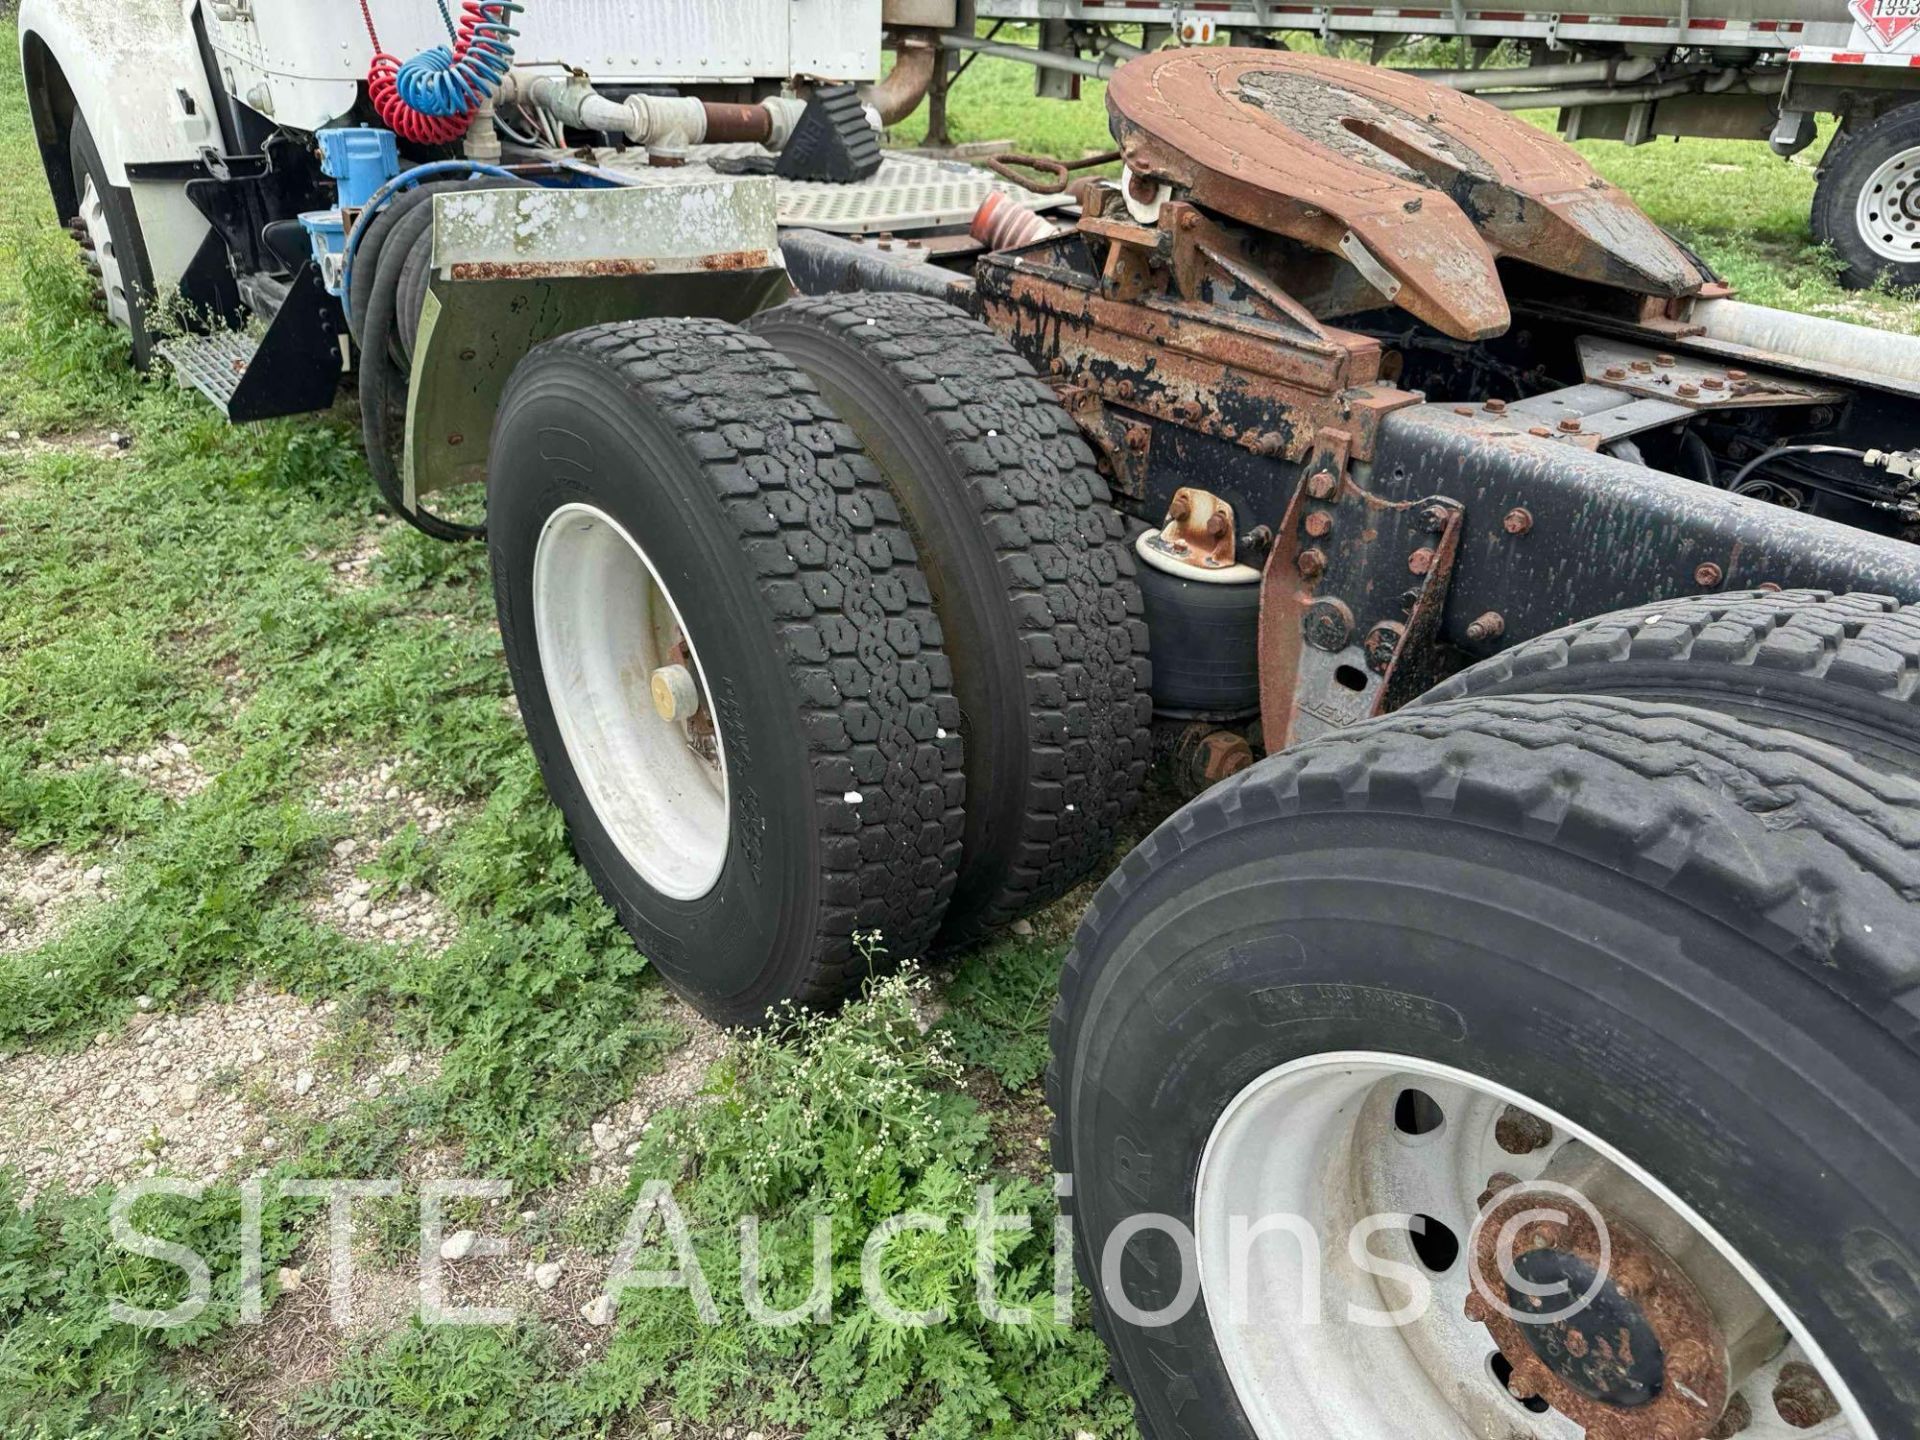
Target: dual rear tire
(1630,907)
(823,636)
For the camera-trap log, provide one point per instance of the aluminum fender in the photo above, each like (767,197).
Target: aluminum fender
(134,71)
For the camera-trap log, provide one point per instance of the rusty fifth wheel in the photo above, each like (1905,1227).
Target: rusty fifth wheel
(1032,583)
(1532,1067)
(727,660)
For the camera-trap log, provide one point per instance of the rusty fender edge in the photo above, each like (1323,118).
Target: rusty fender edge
(1601,534)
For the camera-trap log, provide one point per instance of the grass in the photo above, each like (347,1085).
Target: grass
(181,589)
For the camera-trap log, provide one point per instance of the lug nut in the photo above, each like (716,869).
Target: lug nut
(1707,575)
(1733,1420)
(1521,1132)
(1311,563)
(675,696)
(1490,626)
(1518,521)
(1497,1182)
(1496,407)
(1802,1397)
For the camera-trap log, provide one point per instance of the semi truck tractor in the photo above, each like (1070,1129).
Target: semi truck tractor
(1516,1033)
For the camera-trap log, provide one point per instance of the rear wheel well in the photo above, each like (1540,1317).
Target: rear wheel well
(51,102)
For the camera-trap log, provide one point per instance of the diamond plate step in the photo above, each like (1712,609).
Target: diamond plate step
(212,364)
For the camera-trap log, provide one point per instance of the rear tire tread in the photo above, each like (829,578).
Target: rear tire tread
(849,605)
(1033,481)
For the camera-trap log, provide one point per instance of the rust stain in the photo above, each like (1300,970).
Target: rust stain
(1420,188)
(600,269)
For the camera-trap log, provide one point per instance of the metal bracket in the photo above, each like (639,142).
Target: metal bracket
(1351,601)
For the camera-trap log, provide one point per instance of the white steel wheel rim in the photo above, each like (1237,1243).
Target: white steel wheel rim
(113,285)
(1306,1141)
(1887,213)
(604,622)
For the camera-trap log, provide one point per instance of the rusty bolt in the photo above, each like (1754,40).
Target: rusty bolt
(1463,410)
(1802,1397)
(1269,444)
(1320,484)
(1057,366)
(1490,626)
(1714,382)
(1218,524)
(1328,625)
(1496,407)
(1311,563)
(1541,431)
(1188,219)
(466,354)
(1180,507)
(1733,1420)
(456,439)
(1663,360)
(1643,366)
(1616,372)
(1570,424)
(1124,389)
(1707,575)
(1318,523)
(1435,517)
(1142,187)
(1521,1132)
(1421,561)
(1138,438)
(1736,375)
(1497,1182)
(1686,391)
(1381,644)
(1518,521)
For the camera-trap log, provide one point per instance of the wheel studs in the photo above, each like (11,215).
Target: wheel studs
(1519,1132)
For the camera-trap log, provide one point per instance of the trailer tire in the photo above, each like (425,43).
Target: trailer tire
(649,473)
(1030,574)
(1590,907)
(1839,668)
(1867,203)
(112,226)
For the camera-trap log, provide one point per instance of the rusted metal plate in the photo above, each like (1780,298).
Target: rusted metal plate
(1420,188)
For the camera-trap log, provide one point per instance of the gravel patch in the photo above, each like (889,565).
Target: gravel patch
(353,567)
(613,1138)
(208,1093)
(380,809)
(38,894)
(167,766)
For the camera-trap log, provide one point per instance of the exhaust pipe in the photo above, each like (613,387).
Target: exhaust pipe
(896,97)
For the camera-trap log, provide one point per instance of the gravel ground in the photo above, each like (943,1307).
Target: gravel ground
(39,892)
(207,1093)
(167,766)
(379,809)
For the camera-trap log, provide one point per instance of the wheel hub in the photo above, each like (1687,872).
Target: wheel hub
(1888,213)
(1596,1320)
(95,236)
